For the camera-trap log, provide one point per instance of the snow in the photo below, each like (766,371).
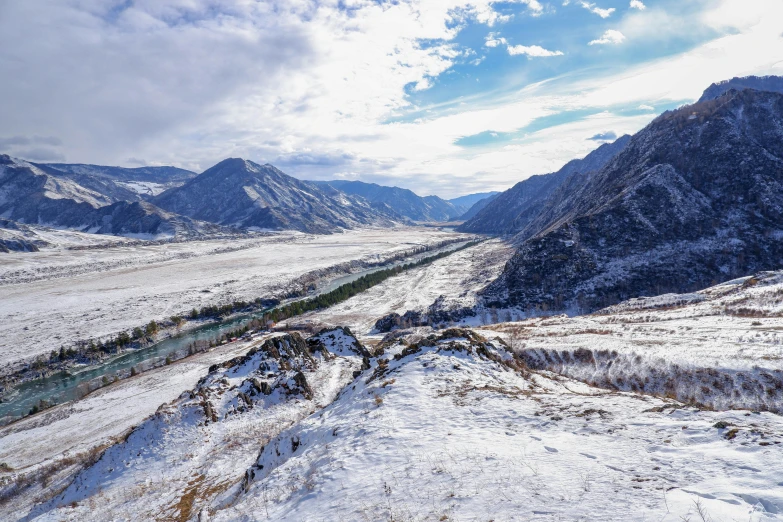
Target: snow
(182,445)
(444,425)
(54,298)
(457,277)
(658,409)
(458,436)
(144,187)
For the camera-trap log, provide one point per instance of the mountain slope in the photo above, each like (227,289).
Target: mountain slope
(694,198)
(478,206)
(469,200)
(512,211)
(404,201)
(243,194)
(759,83)
(445,426)
(119,183)
(29,194)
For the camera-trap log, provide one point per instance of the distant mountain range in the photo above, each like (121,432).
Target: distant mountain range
(403,201)
(234,195)
(759,83)
(243,194)
(694,198)
(33,195)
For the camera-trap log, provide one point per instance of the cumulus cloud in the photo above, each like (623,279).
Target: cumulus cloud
(637,4)
(603,13)
(609,37)
(604,136)
(532,51)
(493,40)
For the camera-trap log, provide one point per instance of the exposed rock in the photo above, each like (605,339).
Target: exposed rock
(694,198)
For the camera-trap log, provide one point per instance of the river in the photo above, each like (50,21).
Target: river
(73,384)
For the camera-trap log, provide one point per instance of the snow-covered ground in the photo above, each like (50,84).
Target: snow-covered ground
(55,238)
(457,277)
(442,428)
(720,347)
(660,409)
(56,297)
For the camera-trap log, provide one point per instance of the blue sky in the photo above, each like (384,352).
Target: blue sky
(440,96)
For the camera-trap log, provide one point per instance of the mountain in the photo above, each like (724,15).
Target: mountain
(243,194)
(119,183)
(513,211)
(478,206)
(404,201)
(759,83)
(469,200)
(33,195)
(694,198)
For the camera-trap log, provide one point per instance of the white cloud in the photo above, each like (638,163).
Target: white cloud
(493,40)
(603,13)
(532,51)
(610,36)
(313,87)
(644,107)
(637,4)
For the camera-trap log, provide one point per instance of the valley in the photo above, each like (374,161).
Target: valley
(602,342)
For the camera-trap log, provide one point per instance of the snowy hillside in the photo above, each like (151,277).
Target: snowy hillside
(445,426)
(243,194)
(514,210)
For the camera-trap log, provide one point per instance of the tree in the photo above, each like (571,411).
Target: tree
(138,333)
(152,328)
(123,339)
(178,321)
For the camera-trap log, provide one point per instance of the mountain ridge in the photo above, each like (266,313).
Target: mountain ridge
(243,194)
(694,198)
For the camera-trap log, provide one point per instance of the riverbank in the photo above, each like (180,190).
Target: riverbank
(30,396)
(96,294)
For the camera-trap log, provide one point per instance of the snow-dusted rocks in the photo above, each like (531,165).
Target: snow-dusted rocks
(451,427)
(199,446)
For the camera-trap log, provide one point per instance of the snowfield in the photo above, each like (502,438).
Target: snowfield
(445,427)
(456,278)
(57,297)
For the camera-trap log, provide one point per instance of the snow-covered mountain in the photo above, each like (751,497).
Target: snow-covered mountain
(759,83)
(694,198)
(33,195)
(243,194)
(515,209)
(119,183)
(403,201)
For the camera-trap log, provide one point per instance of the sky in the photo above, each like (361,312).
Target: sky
(444,97)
